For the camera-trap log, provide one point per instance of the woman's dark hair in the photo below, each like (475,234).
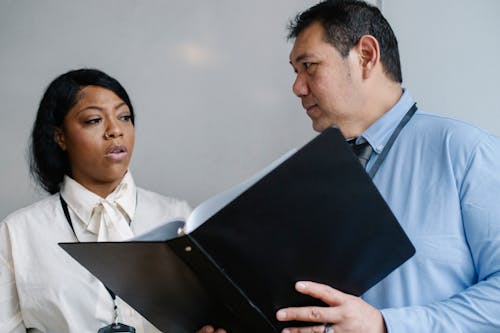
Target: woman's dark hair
(345,22)
(48,162)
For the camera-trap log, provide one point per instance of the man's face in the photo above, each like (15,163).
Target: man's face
(326,82)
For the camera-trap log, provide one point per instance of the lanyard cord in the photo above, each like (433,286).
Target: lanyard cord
(393,137)
(68,218)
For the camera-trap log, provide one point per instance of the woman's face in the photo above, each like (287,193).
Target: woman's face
(98,137)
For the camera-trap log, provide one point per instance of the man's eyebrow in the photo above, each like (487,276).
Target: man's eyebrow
(301,57)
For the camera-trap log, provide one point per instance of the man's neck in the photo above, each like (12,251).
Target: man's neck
(379,101)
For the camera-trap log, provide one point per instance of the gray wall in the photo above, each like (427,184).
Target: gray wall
(450,52)
(210,80)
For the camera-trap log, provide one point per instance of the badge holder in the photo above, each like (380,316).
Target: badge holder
(116,327)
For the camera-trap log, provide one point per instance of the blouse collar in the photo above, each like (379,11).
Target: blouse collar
(82,201)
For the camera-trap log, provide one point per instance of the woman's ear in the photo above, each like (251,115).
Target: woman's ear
(59,138)
(369,53)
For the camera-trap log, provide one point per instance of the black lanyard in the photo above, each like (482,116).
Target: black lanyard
(68,218)
(393,138)
(115,326)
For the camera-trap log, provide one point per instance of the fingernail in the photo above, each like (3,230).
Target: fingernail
(301,285)
(286,330)
(281,315)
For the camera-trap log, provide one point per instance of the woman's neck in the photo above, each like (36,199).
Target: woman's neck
(102,189)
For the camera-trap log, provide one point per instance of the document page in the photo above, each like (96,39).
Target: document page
(209,207)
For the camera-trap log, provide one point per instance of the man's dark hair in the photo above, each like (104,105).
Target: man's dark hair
(345,22)
(48,162)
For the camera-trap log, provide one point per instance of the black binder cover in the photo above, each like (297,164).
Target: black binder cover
(317,216)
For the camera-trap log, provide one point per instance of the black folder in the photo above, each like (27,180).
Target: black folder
(317,216)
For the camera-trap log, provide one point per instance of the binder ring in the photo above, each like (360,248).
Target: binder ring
(328,328)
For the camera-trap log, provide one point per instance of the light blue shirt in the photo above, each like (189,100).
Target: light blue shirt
(442,181)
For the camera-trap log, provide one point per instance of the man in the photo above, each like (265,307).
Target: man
(441,178)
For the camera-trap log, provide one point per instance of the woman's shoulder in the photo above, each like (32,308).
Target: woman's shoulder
(167,205)
(154,197)
(41,209)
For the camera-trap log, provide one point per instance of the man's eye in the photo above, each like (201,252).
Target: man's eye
(309,66)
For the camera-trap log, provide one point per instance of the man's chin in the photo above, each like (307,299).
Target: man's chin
(318,126)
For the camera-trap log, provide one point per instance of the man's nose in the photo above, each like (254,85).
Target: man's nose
(300,87)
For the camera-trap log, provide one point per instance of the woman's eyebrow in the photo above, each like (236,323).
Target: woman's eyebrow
(99,108)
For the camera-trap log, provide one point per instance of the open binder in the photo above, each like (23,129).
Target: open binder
(302,220)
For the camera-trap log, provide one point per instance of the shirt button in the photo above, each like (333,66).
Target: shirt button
(380,148)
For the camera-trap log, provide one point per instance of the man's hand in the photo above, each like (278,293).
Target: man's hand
(210,329)
(346,313)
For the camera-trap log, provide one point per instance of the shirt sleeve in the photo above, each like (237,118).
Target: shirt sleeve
(10,314)
(477,307)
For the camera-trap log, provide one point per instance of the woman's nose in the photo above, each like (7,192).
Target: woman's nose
(113,130)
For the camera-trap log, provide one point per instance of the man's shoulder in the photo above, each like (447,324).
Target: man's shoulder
(448,136)
(447,128)
(434,120)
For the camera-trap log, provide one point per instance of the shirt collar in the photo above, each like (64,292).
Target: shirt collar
(82,201)
(379,132)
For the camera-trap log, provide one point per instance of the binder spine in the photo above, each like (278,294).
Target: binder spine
(245,313)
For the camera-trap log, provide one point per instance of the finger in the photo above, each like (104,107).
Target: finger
(309,329)
(320,291)
(206,329)
(312,314)
(210,329)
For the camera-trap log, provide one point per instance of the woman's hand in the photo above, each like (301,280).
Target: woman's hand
(210,329)
(345,313)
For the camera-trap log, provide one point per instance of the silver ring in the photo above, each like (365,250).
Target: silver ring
(328,328)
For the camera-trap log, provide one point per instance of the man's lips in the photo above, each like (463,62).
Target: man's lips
(312,111)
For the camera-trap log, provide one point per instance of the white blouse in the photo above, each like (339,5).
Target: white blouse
(43,289)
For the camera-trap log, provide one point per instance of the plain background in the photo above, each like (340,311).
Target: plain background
(211,83)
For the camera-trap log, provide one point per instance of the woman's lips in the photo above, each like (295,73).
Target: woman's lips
(116,153)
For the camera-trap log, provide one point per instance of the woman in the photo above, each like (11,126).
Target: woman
(81,145)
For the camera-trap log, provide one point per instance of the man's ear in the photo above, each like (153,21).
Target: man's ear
(59,138)
(369,54)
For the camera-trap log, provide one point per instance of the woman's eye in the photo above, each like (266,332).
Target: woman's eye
(127,117)
(93,121)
